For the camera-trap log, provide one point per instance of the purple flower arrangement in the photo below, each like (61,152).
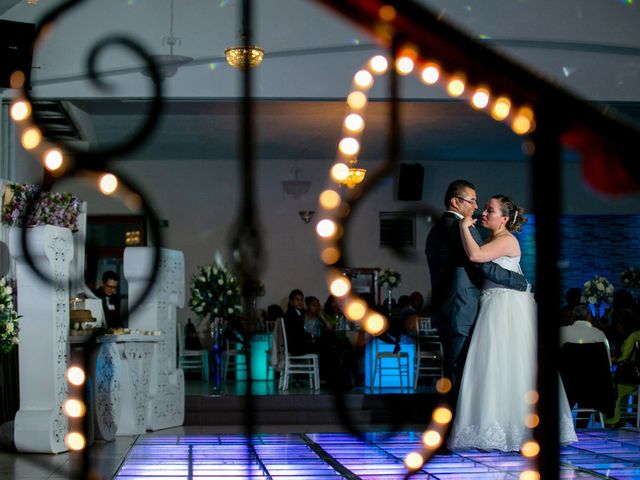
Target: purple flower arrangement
(52,208)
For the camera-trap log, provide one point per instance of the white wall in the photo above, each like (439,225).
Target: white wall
(200,201)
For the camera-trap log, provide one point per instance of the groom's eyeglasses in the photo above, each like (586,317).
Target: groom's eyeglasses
(470,202)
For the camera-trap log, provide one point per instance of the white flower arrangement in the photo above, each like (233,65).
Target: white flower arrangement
(9,328)
(597,290)
(630,277)
(389,277)
(215,292)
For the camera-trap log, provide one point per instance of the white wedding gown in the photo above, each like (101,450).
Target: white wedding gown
(500,369)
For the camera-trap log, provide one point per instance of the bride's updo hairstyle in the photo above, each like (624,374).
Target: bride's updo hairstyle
(515,214)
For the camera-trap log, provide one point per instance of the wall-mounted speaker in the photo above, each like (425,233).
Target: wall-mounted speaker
(15,49)
(410,181)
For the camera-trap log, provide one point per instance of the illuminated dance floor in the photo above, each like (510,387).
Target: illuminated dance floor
(598,454)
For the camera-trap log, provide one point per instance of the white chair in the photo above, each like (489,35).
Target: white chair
(423,326)
(590,415)
(230,360)
(192,359)
(429,359)
(398,363)
(307,364)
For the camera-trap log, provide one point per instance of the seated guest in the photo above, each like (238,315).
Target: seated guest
(315,322)
(413,309)
(573,300)
(333,313)
(626,321)
(108,292)
(298,341)
(585,365)
(581,329)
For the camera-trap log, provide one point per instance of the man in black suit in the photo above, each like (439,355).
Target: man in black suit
(108,292)
(455,281)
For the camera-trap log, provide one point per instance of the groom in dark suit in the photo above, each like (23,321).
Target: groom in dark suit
(455,281)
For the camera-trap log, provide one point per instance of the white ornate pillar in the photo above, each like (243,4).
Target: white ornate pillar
(165,405)
(40,425)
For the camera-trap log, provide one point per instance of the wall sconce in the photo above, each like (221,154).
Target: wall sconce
(306,215)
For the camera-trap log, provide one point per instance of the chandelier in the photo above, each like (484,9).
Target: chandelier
(240,57)
(296,188)
(355,177)
(244,55)
(168,64)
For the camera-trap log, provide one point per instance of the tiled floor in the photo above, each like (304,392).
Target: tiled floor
(195,452)
(598,454)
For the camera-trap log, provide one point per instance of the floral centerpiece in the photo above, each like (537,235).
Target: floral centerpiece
(215,292)
(390,278)
(8,319)
(597,290)
(630,278)
(51,208)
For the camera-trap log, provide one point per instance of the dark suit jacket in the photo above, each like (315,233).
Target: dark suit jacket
(585,372)
(113,316)
(455,281)
(297,337)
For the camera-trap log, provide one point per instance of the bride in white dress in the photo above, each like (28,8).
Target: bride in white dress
(501,364)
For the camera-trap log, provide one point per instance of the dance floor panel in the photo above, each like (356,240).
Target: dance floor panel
(376,456)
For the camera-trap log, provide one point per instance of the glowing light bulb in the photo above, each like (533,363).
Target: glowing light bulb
(326,228)
(443,385)
(455,88)
(349,146)
(356,310)
(529,475)
(363,79)
(20,110)
(404,65)
(354,123)
(330,255)
(17,79)
(431,439)
(53,159)
(340,172)
(340,287)
(73,408)
(442,415)
(31,138)
(480,98)
(378,64)
(387,13)
(532,420)
(430,74)
(531,397)
(530,449)
(75,376)
(108,183)
(330,199)
(356,100)
(523,121)
(413,461)
(501,108)
(374,323)
(75,441)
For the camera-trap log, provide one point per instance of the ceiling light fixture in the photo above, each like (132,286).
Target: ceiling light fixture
(242,56)
(168,64)
(296,188)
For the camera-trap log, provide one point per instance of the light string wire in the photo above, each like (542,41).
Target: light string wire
(337,206)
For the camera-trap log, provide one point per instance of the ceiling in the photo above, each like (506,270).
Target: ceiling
(302,84)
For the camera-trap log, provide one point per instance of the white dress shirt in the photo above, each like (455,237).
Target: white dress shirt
(581,331)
